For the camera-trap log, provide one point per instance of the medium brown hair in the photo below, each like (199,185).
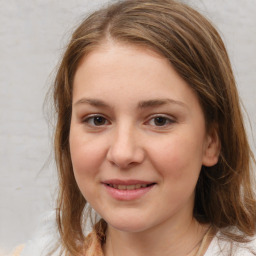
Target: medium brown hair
(224,195)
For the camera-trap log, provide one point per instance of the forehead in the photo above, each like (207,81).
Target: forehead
(128,72)
(112,59)
(125,51)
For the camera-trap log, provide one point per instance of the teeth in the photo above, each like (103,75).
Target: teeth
(122,187)
(128,187)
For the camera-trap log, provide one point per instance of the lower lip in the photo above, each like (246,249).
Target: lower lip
(127,195)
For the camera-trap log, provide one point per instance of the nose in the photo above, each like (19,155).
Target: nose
(125,148)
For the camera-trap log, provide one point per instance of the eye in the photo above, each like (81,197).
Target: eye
(96,120)
(160,121)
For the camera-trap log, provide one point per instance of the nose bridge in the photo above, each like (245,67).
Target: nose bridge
(125,149)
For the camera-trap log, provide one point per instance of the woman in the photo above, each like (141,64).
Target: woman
(150,135)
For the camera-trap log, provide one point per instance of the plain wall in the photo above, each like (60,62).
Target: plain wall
(33,34)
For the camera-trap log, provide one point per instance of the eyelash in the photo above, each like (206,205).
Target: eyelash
(167,121)
(93,118)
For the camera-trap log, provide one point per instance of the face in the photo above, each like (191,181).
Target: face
(137,138)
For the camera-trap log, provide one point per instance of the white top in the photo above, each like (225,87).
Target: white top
(220,247)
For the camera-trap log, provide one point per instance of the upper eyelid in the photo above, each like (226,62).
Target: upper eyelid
(88,117)
(170,121)
(148,118)
(94,115)
(162,115)
(168,116)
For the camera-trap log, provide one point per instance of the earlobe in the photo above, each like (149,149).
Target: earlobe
(212,149)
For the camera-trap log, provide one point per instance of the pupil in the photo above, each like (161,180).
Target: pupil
(98,120)
(160,121)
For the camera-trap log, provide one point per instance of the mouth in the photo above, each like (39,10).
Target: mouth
(127,190)
(129,187)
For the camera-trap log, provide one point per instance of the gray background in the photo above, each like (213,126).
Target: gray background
(33,34)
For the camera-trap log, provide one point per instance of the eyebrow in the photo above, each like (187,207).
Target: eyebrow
(93,102)
(142,104)
(160,102)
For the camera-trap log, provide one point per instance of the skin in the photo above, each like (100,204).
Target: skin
(127,88)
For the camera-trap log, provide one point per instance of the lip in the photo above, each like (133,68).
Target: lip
(126,182)
(127,195)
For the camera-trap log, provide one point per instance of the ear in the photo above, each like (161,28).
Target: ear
(212,148)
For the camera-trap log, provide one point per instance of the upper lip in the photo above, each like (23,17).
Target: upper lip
(126,182)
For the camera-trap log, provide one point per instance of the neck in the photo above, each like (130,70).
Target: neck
(176,240)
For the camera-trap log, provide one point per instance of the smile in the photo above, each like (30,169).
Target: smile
(129,187)
(127,190)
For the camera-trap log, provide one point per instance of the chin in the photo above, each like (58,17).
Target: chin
(129,224)
(130,228)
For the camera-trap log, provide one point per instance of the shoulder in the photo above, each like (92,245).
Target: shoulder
(220,246)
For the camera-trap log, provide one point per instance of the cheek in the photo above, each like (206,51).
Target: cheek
(179,157)
(86,155)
